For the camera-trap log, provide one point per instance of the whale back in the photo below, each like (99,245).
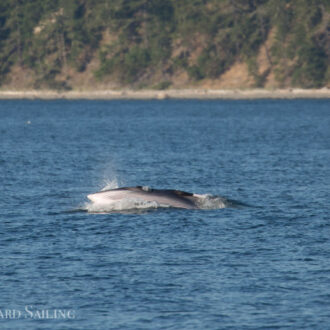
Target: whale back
(168,197)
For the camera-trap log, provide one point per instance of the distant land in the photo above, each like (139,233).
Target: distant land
(145,94)
(136,48)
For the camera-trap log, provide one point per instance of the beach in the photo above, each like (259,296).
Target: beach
(235,94)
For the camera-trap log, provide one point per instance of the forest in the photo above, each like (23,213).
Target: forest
(163,43)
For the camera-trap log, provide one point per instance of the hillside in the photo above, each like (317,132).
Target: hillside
(87,44)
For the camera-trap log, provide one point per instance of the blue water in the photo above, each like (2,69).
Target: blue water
(265,265)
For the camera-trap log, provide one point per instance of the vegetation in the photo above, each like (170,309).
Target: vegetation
(150,42)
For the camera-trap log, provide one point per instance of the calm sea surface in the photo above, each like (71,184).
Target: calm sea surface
(266,265)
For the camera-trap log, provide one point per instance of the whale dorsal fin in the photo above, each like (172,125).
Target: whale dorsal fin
(182,193)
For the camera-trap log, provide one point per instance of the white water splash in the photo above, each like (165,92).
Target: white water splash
(110,177)
(123,205)
(210,202)
(110,184)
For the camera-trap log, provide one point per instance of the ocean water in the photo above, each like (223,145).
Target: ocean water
(263,265)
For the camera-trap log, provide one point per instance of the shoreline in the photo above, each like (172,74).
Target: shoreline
(201,94)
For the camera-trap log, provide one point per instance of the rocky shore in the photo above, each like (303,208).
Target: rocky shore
(169,94)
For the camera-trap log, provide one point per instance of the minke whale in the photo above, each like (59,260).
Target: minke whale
(163,197)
